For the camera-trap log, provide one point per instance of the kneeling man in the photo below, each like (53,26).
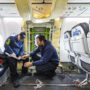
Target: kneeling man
(48,62)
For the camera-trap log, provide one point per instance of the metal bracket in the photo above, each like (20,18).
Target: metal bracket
(40,84)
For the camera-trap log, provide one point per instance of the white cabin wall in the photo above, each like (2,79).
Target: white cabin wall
(68,23)
(12,26)
(9,26)
(1,28)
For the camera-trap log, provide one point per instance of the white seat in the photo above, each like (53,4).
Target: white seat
(74,59)
(85,59)
(79,40)
(67,44)
(88,41)
(85,63)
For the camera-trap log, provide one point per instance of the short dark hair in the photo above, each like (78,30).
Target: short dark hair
(41,37)
(22,35)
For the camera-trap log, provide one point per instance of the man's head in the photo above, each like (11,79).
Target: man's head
(21,36)
(40,40)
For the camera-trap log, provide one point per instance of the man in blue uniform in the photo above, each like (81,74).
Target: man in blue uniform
(14,48)
(48,62)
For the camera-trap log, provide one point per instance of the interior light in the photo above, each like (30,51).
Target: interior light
(57,19)
(40,20)
(76,19)
(35,15)
(13,19)
(78,1)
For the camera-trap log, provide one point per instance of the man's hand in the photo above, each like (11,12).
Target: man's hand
(20,57)
(25,57)
(28,64)
(13,55)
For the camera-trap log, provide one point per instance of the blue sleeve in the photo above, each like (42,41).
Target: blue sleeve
(21,50)
(7,46)
(46,57)
(34,52)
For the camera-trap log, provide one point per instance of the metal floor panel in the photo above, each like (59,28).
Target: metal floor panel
(58,79)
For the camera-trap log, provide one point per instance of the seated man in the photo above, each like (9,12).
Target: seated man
(48,62)
(14,50)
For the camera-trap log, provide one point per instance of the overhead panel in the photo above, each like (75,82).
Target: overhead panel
(42,8)
(23,7)
(79,1)
(8,10)
(7,1)
(77,10)
(60,7)
(41,11)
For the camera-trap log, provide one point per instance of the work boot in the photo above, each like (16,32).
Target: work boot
(51,75)
(26,74)
(16,83)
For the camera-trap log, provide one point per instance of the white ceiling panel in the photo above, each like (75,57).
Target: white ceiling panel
(7,1)
(77,10)
(86,13)
(8,10)
(78,1)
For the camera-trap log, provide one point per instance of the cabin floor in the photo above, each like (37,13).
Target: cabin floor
(59,82)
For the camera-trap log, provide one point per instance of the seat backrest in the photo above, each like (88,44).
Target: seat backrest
(88,41)
(67,36)
(79,38)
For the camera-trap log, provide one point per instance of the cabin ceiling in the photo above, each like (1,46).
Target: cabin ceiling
(41,9)
(38,10)
(8,9)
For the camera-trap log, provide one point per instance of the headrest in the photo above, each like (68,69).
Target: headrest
(82,28)
(67,34)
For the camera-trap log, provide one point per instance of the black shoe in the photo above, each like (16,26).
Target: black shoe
(38,74)
(26,74)
(16,84)
(51,75)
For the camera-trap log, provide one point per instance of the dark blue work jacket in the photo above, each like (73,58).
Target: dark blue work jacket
(13,45)
(48,54)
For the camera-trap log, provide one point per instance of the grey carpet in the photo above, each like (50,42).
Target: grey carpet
(58,79)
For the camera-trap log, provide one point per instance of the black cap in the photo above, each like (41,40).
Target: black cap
(22,35)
